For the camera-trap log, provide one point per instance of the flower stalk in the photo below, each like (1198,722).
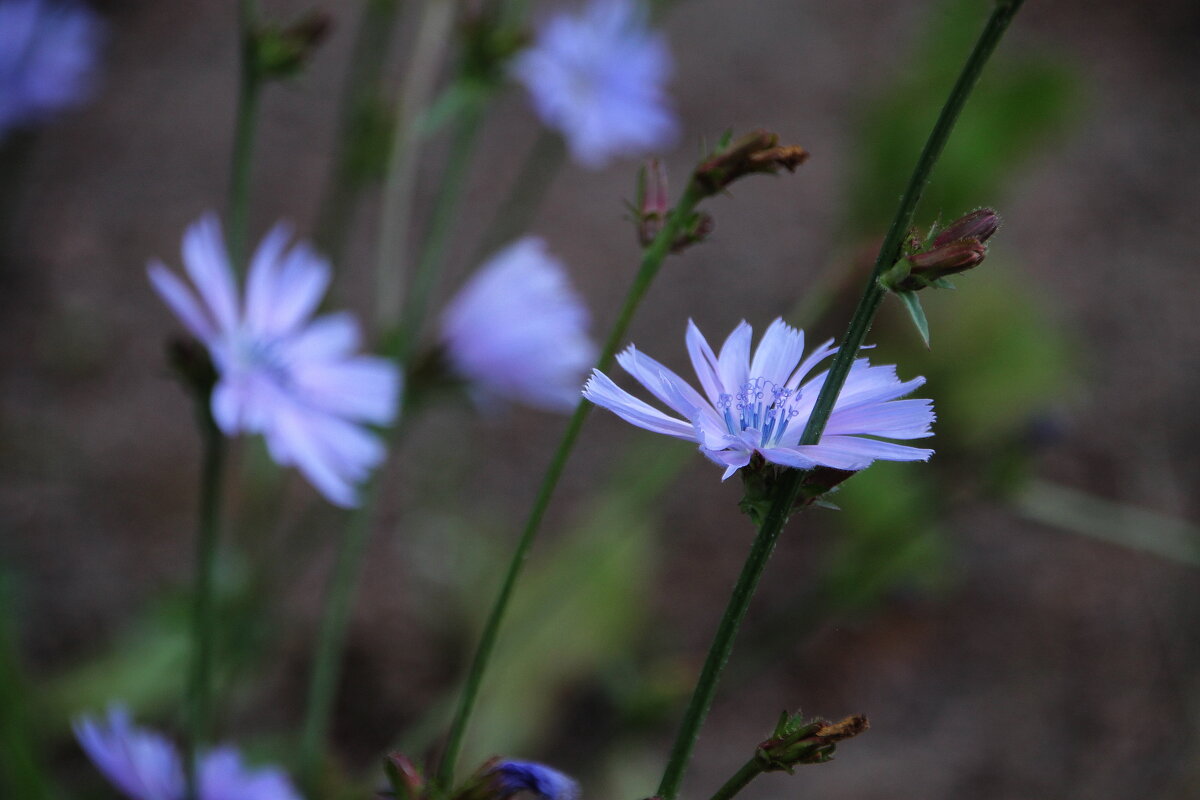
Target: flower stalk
(249,89)
(788,488)
(203,608)
(652,260)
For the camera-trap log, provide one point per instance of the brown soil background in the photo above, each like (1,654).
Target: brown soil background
(1053,666)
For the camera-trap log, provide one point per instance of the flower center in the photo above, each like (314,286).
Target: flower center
(763,407)
(263,357)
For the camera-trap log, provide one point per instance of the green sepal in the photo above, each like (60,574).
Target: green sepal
(913,304)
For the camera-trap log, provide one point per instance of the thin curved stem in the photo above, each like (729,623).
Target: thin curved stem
(652,260)
(787,489)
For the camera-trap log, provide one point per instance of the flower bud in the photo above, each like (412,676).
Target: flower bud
(281,52)
(957,256)
(652,200)
(757,152)
(405,777)
(979,225)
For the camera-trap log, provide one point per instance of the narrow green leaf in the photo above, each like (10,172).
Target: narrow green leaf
(913,304)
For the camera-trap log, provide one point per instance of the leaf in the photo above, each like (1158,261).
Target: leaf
(913,305)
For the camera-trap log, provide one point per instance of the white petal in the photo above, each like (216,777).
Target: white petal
(262,288)
(603,392)
(300,284)
(654,376)
(365,388)
(704,361)
(897,419)
(733,364)
(778,353)
(207,264)
(824,351)
(327,338)
(176,294)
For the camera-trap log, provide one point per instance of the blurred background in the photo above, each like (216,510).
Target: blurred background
(1017,618)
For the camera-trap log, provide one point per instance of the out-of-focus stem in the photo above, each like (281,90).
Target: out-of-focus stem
(361,93)
(652,260)
(788,487)
(203,616)
(249,86)
(400,184)
(541,164)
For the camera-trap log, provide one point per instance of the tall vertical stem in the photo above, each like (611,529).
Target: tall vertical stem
(652,260)
(203,617)
(249,86)
(788,487)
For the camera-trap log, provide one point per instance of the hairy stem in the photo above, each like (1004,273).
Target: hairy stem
(788,487)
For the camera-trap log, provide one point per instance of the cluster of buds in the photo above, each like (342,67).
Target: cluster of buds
(796,741)
(755,153)
(276,52)
(652,204)
(959,247)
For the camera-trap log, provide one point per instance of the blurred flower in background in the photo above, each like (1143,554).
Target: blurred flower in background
(513,777)
(48,53)
(282,373)
(144,765)
(597,77)
(518,331)
(761,405)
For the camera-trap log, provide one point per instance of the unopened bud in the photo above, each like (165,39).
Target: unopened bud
(281,52)
(957,256)
(757,152)
(797,741)
(652,200)
(405,777)
(979,225)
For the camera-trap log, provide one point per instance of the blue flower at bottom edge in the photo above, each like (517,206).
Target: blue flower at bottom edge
(526,776)
(144,764)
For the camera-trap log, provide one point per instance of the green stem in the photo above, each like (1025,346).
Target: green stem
(433,32)
(788,487)
(652,260)
(739,780)
(203,617)
(441,226)
(529,188)
(356,126)
(322,687)
(243,140)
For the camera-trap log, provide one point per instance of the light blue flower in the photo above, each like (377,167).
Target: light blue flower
(761,405)
(144,765)
(597,77)
(282,373)
(48,53)
(512,777)
(518,331)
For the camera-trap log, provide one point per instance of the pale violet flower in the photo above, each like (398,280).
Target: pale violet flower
(761,404)
(48,53)
(597,77)
(144,765)
(283,373)
(512,777)
(518,331)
